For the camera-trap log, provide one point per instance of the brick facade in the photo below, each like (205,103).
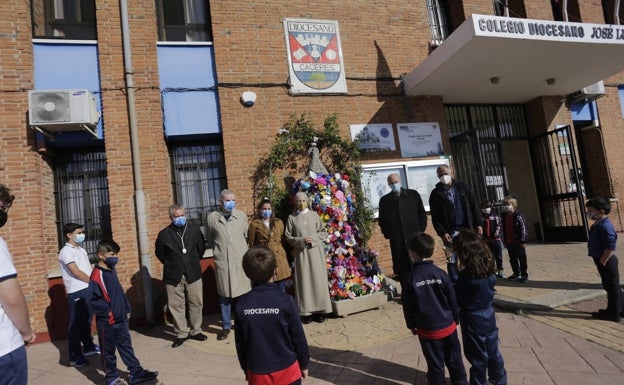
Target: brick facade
(378,41)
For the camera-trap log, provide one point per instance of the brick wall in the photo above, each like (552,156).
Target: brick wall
(377,40)
(154,160)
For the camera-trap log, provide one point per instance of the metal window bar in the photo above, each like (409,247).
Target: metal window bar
(457,120)
(198,173)
(81,194)
(511,122)
(438,21)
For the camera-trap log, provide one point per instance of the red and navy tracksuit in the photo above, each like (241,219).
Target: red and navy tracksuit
(515,235)
(479,330)
(492,235)
(270,340)
(111,307)
(430,310)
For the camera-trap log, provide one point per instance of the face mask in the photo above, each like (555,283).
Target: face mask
(179,221)
(229,205)
(111,261)
(302,205)
(3,218)
(445,179)
(486,211)
(266,214)
(592,215)
(508,209)
(80,238)
(395,187)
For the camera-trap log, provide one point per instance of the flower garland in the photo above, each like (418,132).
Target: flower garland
(352,270)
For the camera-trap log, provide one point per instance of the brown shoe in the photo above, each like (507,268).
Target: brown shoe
(223,334)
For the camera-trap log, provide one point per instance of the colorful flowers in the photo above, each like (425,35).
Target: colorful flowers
(352,270)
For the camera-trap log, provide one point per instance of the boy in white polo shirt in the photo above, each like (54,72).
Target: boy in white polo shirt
(76,269)
(15,329)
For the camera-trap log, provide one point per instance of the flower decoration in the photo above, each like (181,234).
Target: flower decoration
(352,270)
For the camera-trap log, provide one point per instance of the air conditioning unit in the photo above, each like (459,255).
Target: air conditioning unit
(52,111)
(589,93)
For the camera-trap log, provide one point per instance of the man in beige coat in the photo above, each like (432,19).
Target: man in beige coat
(226,233)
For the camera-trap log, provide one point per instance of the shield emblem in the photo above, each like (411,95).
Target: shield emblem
(315,55)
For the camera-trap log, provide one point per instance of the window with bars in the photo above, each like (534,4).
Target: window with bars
(184,20)
(438,20)
(501,7)
(198,172)
(81,191)
(64,19)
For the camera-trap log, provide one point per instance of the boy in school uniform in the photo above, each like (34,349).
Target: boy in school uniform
(492,235)
(515,235)
(75,270)
(601,247)
(270,341)
(111,307)
(431,312)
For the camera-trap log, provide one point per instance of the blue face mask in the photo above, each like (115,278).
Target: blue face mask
(111,261)
(80,238)
(229,205)
(179,221)
(266,214)
(395,187)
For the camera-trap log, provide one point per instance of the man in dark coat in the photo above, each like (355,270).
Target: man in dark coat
(180,246)
(453,207)
(401,215)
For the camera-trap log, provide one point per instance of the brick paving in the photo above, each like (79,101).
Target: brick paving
(546,338)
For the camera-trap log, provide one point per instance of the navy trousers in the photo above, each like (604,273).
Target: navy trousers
(14,367)
(518,259)
(610,278)
(79,328)
(480,339)
(441,352)
(116,336)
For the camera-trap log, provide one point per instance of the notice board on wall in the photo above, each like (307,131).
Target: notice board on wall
(419,175)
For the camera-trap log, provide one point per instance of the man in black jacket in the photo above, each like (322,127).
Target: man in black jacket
(401,215)
(180,246)
(453,207)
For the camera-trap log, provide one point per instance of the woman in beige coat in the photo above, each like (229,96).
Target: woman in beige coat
(305,233)
(267,230)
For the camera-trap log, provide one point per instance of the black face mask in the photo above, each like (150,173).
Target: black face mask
(3,218)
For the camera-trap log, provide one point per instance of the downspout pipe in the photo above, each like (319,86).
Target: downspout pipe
(141,217)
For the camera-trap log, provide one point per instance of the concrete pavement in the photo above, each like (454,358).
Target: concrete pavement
(544,339)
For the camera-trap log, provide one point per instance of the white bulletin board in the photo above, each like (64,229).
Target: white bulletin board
(419,175)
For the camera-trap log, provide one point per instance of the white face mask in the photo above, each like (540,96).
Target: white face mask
(508,208)
(486,211)
(446,179)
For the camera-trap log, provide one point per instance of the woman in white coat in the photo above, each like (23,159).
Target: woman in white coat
(305,233)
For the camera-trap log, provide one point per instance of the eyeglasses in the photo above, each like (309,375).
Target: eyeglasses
(5,206)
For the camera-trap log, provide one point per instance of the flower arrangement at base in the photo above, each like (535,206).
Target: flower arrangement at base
(353,271)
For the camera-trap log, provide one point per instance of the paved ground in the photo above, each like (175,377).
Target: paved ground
(547,338)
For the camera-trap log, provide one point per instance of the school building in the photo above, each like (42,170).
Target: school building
(110,111)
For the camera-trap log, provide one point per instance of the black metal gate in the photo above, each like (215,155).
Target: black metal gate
(559,186)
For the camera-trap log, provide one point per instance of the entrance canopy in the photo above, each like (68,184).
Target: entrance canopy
(491,59)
